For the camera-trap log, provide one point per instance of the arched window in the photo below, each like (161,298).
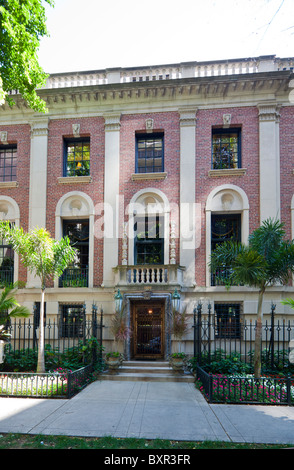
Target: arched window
(74,218)
(148,228)
(227,218)
(9,211)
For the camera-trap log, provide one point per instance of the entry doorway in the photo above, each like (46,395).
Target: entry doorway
(148,330)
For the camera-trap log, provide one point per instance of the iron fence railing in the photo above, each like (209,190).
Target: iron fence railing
(60,334)
(246,390)
(236,335)
(74,277)
(56,384)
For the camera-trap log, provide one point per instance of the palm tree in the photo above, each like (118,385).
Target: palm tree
(9,307)
(267,260)
(43,256)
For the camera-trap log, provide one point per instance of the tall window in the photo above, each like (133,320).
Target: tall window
(149,153)
(77,274)
(8,159)
(77,158)
(226,149)
(149,240)
(224,227)
(6,262)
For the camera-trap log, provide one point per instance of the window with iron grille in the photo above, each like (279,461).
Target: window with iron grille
(72,321)
(226,149)
(8,161)
(77,157)
(227,320)
(149,153)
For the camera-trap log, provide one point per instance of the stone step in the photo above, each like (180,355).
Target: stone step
(158,371)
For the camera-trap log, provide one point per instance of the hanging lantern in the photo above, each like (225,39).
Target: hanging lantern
(118,300)
(176,300)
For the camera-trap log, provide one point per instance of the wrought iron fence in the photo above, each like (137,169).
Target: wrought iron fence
(58,384)
(60,334)
(231,334)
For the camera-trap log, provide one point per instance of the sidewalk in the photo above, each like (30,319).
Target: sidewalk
(150,410)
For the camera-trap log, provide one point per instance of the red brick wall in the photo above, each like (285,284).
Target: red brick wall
(167,122)
(58,130)
(287,165)
(247,119)
(21,136)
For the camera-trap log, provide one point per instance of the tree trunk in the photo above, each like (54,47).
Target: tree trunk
(258,336)
(41,350)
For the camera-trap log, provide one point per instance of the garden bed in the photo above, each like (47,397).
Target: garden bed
(57,384)
(236,389)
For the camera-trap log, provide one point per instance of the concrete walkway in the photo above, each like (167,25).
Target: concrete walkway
(149,410)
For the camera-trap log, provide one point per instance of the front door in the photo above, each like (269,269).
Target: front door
(148,327)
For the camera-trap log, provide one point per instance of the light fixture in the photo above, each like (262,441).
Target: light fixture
(118,300)
(176,300)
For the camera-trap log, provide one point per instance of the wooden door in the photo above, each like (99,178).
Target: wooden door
(148,328)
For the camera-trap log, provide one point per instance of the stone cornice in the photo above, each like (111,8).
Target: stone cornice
(201,89)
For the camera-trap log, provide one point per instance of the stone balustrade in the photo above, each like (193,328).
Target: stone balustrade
(168,275)
(170,72)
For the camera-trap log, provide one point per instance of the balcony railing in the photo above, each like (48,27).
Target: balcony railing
(170,274)
(74,277)
(220,277)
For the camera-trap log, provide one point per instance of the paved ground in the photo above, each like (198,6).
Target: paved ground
(148,410)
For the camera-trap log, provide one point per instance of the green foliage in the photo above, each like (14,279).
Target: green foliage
(40,253)
(9,305)
(72,358)
(22,25)
(267,259)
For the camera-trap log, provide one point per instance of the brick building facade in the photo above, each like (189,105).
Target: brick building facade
(146,169)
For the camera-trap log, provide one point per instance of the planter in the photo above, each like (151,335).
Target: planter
(2,355)
(177,362)
(113,361)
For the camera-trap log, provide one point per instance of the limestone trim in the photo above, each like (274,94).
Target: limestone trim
(227,172)
(8,184)
(112,122)
(269,111)
(149,176)
(74,179)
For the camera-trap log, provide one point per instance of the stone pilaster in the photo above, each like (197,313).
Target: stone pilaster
(187,229)
(269,160)
(111,196)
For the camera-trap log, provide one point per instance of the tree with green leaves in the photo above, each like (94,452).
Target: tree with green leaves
(45,257)
(267,260)
(10,307)
(22,25)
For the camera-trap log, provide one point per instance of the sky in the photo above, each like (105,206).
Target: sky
(97,34)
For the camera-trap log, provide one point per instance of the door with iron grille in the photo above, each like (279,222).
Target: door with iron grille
(148,327)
